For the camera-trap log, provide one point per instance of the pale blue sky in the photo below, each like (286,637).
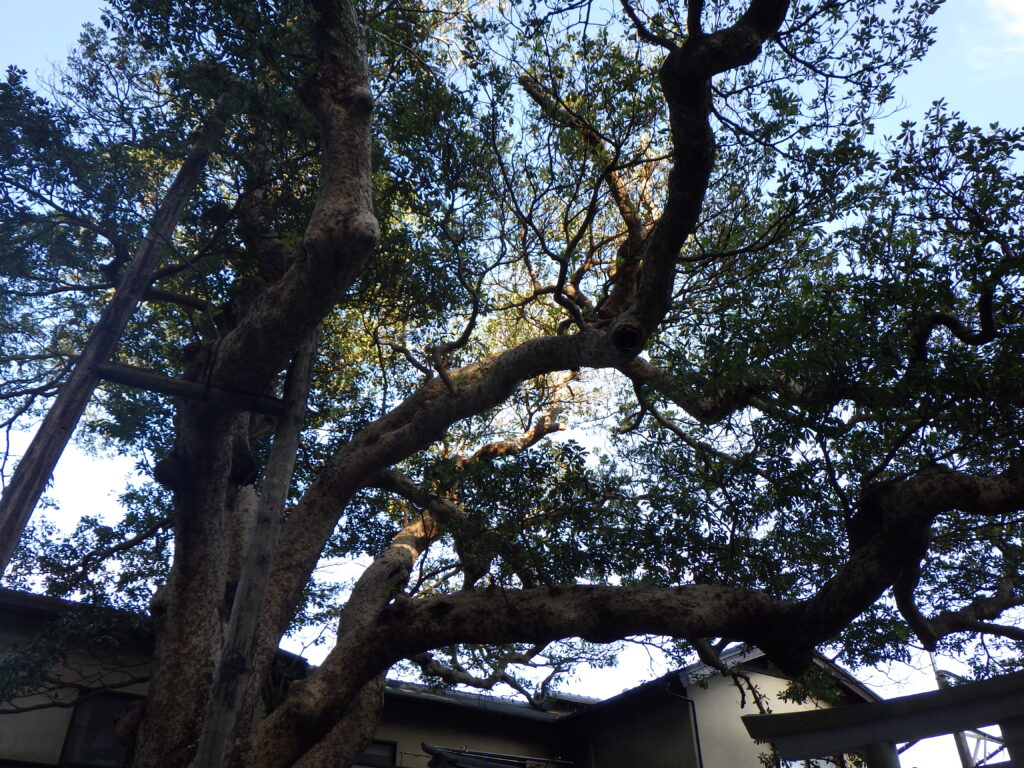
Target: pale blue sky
(35,34)
(977,64)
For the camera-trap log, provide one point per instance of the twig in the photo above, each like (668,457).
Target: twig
(643,32)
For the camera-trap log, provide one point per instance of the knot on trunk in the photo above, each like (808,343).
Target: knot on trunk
(628,337)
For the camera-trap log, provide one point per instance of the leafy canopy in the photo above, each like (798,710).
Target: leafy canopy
(845,313)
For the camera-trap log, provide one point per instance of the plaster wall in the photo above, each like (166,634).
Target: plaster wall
(724,741)
(37,737)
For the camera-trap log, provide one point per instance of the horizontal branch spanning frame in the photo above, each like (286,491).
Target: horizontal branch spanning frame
(151,381)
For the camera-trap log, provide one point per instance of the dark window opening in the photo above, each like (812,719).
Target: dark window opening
(91,741)
(378,754)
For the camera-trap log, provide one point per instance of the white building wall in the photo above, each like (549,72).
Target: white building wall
(724,742)
(36,736)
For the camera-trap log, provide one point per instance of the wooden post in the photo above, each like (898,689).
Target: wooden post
(1013,737)
(881,755)
(36,466)
(959,738)
(223,708)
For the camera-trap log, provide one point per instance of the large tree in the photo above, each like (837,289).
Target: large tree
(429,236)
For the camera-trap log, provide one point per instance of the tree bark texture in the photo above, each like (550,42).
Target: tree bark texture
(226,713)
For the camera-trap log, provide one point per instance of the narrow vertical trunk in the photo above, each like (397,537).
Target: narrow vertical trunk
(225,716)
(36,466)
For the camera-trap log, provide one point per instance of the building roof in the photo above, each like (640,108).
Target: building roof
(480,702)
(31,604)
(745,655)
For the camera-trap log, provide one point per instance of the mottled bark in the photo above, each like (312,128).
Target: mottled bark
(340,236)
(315,705)
(190,628)
(786,630)
(351,733)
(226,714)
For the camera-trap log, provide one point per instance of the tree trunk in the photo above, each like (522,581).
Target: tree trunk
(225,715)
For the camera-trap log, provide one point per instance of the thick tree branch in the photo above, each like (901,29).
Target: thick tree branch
(475,558)
(414,425)
(425,416)
(542,427)
(32,473)
(977,616)
(685,79)
(710,405)
(786,630)
(340,235)
(933,320)
(226,716)
(903,592)
(351,733)
(443,510)
(152,381)
(683,391)
(410,627)
(342,230)
(709,655)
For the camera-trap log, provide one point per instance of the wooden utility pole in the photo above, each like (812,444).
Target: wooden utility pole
(36,466)
(224,716)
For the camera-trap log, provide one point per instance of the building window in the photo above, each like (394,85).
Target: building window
(91,740)
(378,754)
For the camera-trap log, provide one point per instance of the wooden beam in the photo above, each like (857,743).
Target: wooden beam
(151,381)
(824,732)
(36,466)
